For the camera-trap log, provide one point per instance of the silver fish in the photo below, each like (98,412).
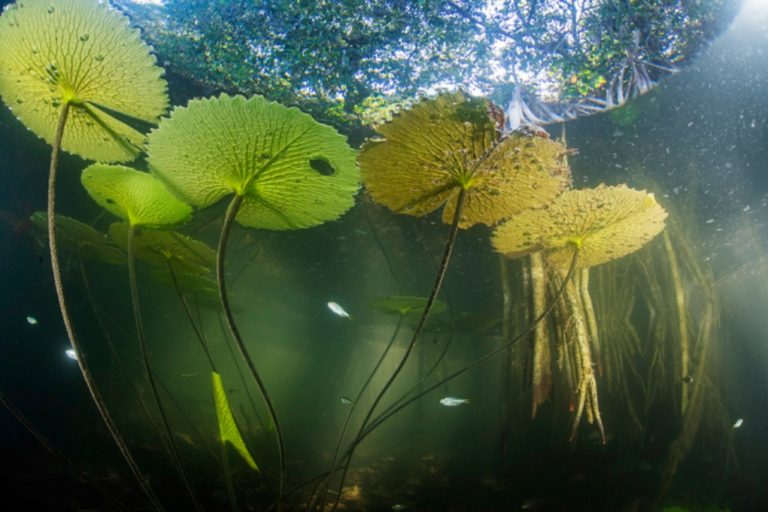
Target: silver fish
(739,423)
(337,310)
(452,401)
(31,320)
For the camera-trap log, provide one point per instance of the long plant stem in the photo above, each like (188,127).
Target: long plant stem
(360,394)
(116,355)
(176,457)
(229,219)
(393,410)
(98,400)
(422,322)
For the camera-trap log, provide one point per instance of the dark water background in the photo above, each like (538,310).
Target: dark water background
(702,136)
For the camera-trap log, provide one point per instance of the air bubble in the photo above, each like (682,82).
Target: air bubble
(99,58)
(84,37)
(51,9)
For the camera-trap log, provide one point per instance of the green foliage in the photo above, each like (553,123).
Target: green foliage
(330,58)
(292,171)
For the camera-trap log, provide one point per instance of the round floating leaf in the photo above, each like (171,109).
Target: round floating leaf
(84,53)
(605,223)
(403,305)
(135,196)
(292,171)
(159,247)
(441,145)
(81,238)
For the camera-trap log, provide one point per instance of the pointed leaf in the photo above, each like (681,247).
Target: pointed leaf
(228,430)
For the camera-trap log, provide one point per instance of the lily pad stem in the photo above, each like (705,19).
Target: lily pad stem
(560,292)
(449,243)
(229,219)
(175,456)
(58,283)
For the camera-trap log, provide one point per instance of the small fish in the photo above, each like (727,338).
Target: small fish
(739,423)
(70,352)
(452,401)
(345,400)
(337,310)
(31,320)
(399,506)
(687,379)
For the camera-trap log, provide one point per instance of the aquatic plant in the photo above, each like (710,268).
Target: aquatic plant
(74,72)
(601,224)
(447,152)
(80,238)
(229,432)
(143,201)
(283,169)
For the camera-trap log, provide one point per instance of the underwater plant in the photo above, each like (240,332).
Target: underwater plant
(284,170)
(78,76)
(600,224)
(142,200)
(448,152)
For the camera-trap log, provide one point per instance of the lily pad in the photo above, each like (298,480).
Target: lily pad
(292,171)
(84,53)
(80,238)
(604,223)
(135,196)
(443,145)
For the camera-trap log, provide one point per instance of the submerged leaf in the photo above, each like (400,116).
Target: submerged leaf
(80,238)
(403,305)
(442,145)
(135,196)
(161,248)
(292,171)
(228,430)
(84,53)
(604,223)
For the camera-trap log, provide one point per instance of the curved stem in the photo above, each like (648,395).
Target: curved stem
(98,313)
(98,400)
(357,400)
(449,243)
(176,457)
(393,410)
(229,219)
(188,313)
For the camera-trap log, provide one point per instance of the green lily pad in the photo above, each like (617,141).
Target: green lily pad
(292,171)
(135,196)
(84,53)
(80,238)
(228,431)
(159,248)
